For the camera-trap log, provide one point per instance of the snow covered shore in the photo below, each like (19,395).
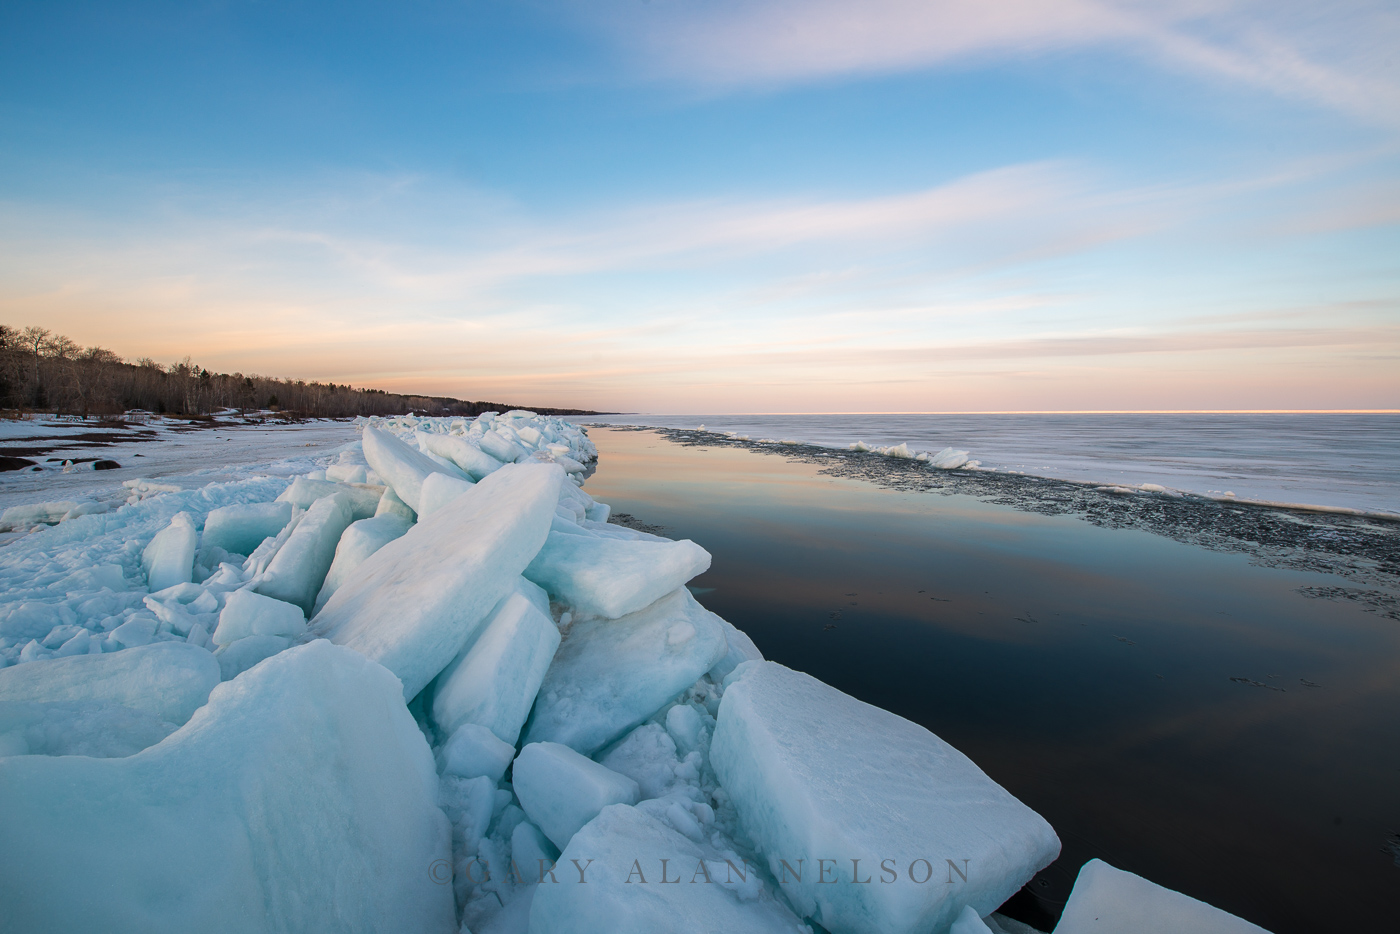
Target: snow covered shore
(427,686)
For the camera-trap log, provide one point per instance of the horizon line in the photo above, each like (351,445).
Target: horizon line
(1062,412)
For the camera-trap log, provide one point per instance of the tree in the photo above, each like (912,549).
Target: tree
(91,374)
(32,339)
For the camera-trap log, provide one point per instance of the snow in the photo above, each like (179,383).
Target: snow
(494,680)
(242,528)
(561,790)
(1106,900)
(415,603)
(814,773)
(168,680)
(246,613)
(299,569)
(667,891)
(610,577)
(610,675)
(169,558)
(300,798)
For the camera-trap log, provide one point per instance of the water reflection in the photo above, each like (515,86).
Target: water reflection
(1086,668)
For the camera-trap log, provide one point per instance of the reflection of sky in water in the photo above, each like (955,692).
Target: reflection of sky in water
(1086,669)
(1333,460)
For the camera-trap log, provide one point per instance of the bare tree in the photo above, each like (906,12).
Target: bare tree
(46,371)
(33,339)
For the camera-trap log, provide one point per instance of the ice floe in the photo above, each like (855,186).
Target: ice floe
(1112,901)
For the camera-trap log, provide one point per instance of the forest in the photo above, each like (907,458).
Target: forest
(41,371)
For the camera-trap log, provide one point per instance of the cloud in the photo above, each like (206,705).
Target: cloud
(370,242)
(998,272)
(1339,55)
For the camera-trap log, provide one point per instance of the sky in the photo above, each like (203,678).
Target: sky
(720,206)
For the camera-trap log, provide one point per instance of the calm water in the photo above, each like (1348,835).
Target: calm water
(1088,669)
(1350,461)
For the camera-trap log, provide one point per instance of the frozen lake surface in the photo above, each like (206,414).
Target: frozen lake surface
(1201,693)
(1340,461)
(176,452)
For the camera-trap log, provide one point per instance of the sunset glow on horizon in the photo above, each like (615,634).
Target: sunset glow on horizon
(1067,205)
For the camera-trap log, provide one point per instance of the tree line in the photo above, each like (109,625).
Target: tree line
(41,371)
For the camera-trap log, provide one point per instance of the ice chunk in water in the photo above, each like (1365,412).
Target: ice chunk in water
(322,817)
(816,774)
(168,680)
(610,675)
(561,790)
(300,566)
(359,541)
(403,468)
(949,459)
(612,578)
(709,894)
(494,681)
(169,558)
(241,528)
(417,601)
(473,751)
(250,614)
(1112,901)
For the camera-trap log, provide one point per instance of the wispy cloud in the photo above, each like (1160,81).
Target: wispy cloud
(992,273)
(1339,55)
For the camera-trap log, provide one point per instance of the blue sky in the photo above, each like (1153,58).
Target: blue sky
(717,206)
